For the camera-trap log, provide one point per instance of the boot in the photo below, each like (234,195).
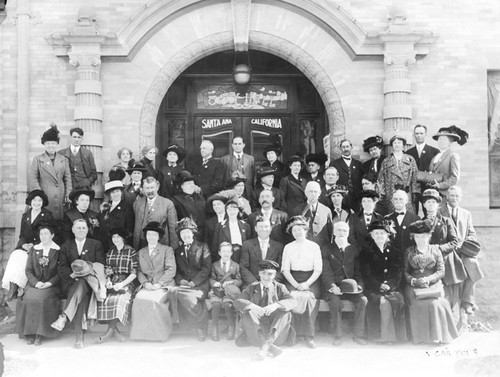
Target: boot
(79,340)
(60,322)
(12,295)
(215,331)
(107,335)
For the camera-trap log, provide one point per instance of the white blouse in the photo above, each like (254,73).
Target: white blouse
(305,256)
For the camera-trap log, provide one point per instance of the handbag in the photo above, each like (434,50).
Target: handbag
(427,177)
(429,292)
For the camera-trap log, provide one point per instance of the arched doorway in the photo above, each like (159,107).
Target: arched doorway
(280,102)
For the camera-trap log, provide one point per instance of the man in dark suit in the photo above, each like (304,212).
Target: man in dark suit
(373,145)
(257,249)
(314,162)
(81,160)
(358,222)
(276,217)
(350,174)
(340,262)
(330,177)
(78,290)
(266,316)
(239,161)
(401,219)
(423,155)
(208,173)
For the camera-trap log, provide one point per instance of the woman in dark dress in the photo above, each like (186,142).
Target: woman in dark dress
(81,198)
(149,153)
(382,270)
(272,153)
(14,274)
(174,155)
(293,185)
(38,307)
(121,271)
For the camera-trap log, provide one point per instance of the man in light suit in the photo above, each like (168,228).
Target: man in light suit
(258,249)
(153,207)
(81,160)
(208,173)
(319,215)
(276,217)
(239,161)
(78,290)
(462,219)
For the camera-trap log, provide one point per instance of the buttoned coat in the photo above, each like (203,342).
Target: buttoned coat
(157,268)
(251,256)
(219,275)
(369,166)
(90,217)
(320,223)
(209,177)
(379,267)
(338,266)
(448,165)
(130,193)
(223,234)
(169,174)
(195,265)
(36,273)
(54,180)
(122,216)
(278,221)
(358,228)
(88,164)
(356,172)
(247,167)
(293,191)
(428,153)
(28,233)
(163,211)
(403,237)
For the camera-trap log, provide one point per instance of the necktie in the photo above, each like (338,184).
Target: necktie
(150,204)
(263,250)
(240,166)
(186,249)
(204,162)
(264,301)
(454,215)
(224,266)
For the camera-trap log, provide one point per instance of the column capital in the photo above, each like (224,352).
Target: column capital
(85,60)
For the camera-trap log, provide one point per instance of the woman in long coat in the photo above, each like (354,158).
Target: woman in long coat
(194,265)
(293,185)
(423,268)
(399,169)
(50,172)
(382,270)
(151,319)
(38,307)
(14,275)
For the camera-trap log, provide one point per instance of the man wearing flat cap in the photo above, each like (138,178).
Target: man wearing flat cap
(266,316)
(373,145)
(78,290)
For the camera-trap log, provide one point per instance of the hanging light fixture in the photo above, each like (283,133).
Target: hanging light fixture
(242,73)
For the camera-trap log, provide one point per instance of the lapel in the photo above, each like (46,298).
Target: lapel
(155,256)
(243,231)
(47,165)
(336,253)
(144,255)
(298,183)
(256,249)
(41,216)
(225,229)
(445,156)
(73,250)
(343,165)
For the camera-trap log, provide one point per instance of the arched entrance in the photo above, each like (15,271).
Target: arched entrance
(279,102)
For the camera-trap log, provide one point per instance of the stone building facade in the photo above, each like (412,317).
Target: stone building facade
(379,67)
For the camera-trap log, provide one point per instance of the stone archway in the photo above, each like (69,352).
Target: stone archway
(257,41)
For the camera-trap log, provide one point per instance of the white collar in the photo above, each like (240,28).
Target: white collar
(240,154)
(52,246)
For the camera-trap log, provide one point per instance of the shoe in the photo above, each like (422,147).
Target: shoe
(79,340)
(59,323)
(264,351)
(309,342)
(275,351)
(230,332)
(30,340)
(12,295)
(215,333)
(337,342)
(359,340)
(107,335)
(202,334)
(469,308)
(119,336)
(38,340)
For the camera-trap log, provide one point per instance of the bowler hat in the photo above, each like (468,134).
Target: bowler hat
(81,190)
(154,226)
(181,152)
(52,134)
(430,194)
(319,158)
(420,226)
(350,287)
(40,193)
(471,248)
(267,264)
(373,141)
(296,220)
(119,231)
(136,166)
(81,268)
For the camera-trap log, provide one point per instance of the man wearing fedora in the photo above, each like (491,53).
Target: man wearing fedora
(266,316)
(468,247)
(174,156)
(78,290)
(241,162)
(341,280)
(81,160)
(81,197)
(373,145)
(265,181)
(208,172)
(277,218)
(153,207)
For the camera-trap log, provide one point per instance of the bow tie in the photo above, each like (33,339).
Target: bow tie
(346,158)
(400,213)
(368,214)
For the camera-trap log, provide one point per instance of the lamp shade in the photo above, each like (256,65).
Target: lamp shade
(242,74)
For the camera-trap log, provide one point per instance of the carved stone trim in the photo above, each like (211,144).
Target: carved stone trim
(240,12)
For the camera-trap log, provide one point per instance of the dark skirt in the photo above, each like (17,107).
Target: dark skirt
(188,306)
(306,311)
(36,310)
(385,317)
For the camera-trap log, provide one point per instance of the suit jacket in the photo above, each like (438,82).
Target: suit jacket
(219,275)
(163,211)
(425,158)
(369,166)
(358,232)
(338,266)
(223,234)
(91,217)
(403,238)
(88,164)
(449,166)
(279,198)
(35,272)
(122,216)
(252,294)
(445,236)
(319,178)
(194,266)
(230,164)
(355,172)
(278,224)
(209,177)
(54,180)
(320,223)
(92,252)
(377,267)
(159,267)
(130,193)
(28,233)
(293,191)
(251,256)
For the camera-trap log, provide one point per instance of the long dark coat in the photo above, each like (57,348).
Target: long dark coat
(28,233)
(293,191)
(122,216)
(194,266)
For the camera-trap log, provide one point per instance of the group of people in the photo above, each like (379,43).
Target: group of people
(172,246)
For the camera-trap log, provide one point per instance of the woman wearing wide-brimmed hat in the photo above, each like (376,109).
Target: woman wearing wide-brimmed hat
(373,145)
(445,166)
(194,265)
(381,268)
(266,177)
(121,272)
(423,268)
(151,318)
(137,172)
(301,267)
(293,185)
(14,275)
(81,197)
(50,172)
(272,152)
(39,305)
(174,156)
(116,212)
